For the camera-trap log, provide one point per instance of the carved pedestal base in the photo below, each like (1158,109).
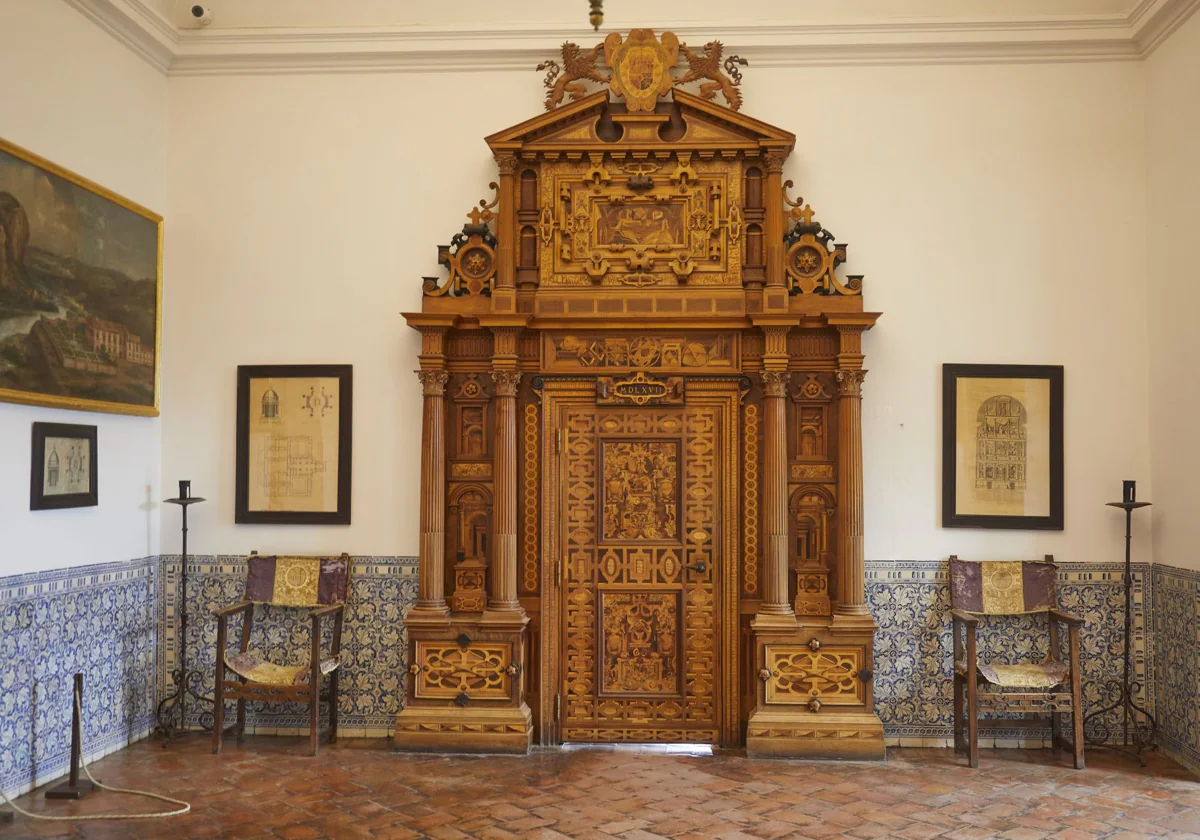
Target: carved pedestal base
(799,733)
(452,730)
(465,688)
(814,696)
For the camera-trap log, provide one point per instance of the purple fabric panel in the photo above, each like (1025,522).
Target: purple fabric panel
(1038,583)
(966,586)
(260,579)
(333,580)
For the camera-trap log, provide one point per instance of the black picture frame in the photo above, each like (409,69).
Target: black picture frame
(951,374)
(38,499)
(345,408)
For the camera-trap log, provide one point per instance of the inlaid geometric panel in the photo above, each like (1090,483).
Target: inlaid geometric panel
(640,490)
(479,670)
(797,674)
(639,642)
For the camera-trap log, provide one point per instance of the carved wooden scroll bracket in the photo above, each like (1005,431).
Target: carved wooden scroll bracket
(812,255)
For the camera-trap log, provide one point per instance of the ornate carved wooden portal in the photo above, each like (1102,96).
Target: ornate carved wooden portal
(641,476)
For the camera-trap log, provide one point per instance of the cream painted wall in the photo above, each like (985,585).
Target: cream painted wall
(997,211)
(76,96)
(1173,216)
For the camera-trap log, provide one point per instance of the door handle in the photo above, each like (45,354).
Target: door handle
(700,566)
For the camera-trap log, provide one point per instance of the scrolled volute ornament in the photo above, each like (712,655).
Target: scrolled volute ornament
(470,258)
(812,257)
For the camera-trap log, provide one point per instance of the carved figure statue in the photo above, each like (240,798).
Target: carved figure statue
(576,65)
(708,66)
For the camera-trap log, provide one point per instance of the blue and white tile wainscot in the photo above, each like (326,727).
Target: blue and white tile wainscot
(97,620)
(913,646)
(1176,615)
(374,670)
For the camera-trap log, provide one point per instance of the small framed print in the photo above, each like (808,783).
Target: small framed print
(293,444)
(64,463)
(1002,446)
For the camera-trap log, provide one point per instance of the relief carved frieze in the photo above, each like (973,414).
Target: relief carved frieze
(691,352)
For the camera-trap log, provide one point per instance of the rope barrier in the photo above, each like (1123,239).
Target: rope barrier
(178,812)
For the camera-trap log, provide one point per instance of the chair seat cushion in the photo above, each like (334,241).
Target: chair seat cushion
(1033,675)
(256,668)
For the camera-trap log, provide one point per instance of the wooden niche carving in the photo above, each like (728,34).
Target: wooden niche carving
(641,483)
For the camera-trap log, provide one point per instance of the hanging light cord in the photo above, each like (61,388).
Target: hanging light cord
(178,812)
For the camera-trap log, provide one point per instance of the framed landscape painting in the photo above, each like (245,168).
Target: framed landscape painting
(80,291)
(64,467)
(1002,446)
(293,444)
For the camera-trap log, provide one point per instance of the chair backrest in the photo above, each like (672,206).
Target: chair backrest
(297,581)
(1003,587)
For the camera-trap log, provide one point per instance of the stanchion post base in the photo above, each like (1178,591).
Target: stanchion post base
(68,791)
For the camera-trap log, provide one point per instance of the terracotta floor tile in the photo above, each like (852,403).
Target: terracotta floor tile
(269,788)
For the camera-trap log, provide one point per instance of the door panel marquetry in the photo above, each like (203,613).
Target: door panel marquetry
(641,489)
(639,585)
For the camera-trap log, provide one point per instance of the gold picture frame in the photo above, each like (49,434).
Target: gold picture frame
(67,339)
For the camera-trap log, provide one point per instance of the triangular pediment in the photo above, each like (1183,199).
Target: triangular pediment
(576,126)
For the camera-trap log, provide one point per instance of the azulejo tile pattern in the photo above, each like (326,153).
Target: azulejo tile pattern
(1176,612)
(914,645)
(96,620)
(373,639)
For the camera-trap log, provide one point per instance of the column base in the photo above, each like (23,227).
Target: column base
(506,619)
(852,623)
(453,730)
(798,733)
(772,621)
(427,616)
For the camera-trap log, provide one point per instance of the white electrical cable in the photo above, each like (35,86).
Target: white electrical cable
(154,816)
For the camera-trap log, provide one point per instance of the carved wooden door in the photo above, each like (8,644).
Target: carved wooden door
(641,581)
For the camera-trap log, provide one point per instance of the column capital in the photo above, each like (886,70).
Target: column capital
(850,382)
(433,382)
(774,160)
(506,162)
(775,382)
(507,382)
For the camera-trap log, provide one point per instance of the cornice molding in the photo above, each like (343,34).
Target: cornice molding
(407,49)
(135,24)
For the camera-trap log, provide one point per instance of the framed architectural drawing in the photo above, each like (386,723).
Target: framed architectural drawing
(1002,446)
(293,444)
(63,467)
(80,291)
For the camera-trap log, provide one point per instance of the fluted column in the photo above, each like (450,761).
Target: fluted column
(775,607)
(775,297)
(504,295)
(852,570)
(431,594)
(502,577)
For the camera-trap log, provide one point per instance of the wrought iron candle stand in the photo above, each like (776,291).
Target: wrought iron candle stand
(1138,727)
(171,713)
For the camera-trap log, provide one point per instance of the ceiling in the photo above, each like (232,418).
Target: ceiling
(249,36)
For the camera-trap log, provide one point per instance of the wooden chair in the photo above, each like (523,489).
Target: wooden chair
(1053,686)
(314,582)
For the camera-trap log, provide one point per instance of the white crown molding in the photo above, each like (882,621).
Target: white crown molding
(1125,36)
(1161,20)
(135,24)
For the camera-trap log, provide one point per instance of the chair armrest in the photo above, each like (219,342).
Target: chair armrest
(965,617)
(225,612)
(1066,618)
(321,612)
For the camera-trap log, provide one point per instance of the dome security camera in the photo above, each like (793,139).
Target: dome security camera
(201,15)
